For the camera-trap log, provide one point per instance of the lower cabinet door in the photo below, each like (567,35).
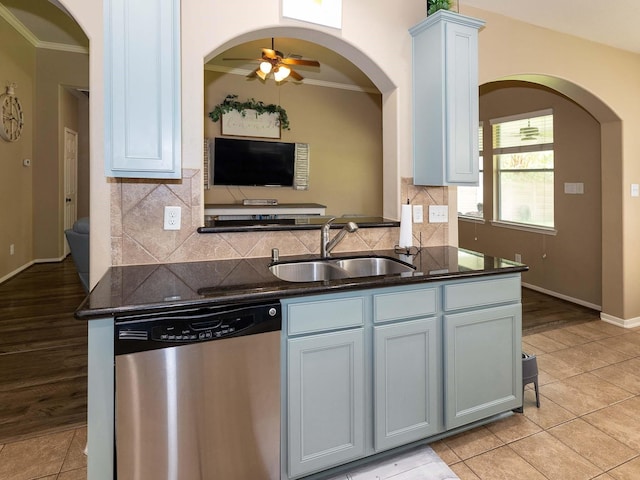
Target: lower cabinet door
(482,363)
(325,401)
(407,382)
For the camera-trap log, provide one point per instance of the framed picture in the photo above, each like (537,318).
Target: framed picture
(321,12)
(251,124)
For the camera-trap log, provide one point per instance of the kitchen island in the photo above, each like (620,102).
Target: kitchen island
(415,355)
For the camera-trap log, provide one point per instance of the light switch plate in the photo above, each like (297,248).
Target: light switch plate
(576,188)
(418,216)
(438,213)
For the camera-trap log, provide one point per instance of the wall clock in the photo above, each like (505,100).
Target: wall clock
(12,118)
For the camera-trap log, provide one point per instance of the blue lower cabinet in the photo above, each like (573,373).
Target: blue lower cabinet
(407,382)
(376,369)
(482,367)
(326,401)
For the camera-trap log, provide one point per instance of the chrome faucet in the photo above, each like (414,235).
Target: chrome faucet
(327,245)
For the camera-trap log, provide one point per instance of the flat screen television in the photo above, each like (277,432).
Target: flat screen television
(253,163)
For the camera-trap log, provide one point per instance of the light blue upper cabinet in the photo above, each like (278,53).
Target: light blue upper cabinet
(445,99)
(142,88)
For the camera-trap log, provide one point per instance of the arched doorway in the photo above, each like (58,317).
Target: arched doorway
(45,295)
(610,209)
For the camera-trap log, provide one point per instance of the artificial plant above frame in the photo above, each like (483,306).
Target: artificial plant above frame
(231,103)
(434,5)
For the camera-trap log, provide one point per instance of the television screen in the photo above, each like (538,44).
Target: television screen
(253,163)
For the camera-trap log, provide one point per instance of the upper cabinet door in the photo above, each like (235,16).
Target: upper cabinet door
(142,88)
(445,100)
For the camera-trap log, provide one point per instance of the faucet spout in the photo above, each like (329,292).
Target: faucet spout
(326,245)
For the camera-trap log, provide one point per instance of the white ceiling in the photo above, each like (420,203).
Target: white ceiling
(612,23)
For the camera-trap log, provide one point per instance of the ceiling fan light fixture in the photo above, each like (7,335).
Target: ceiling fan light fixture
(261,74)
(529,133)
(265,67)
(281,72)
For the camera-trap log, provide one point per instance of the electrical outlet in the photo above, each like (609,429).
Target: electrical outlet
(172,218)
(12,249)
(518,258)
(417,214)
(438,213)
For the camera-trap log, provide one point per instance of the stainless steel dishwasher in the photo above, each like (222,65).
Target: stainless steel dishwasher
(197,394)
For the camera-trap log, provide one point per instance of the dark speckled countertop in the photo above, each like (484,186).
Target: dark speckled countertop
(148,288)
(305,223)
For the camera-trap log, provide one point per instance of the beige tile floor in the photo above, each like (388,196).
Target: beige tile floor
(588,423)
(57,456)
(587,427)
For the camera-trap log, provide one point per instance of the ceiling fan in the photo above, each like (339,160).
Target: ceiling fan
(529,132)
(274,61)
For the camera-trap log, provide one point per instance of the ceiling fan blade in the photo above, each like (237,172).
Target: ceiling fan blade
(267,53)
(299,61)
(295,75)
(253,74)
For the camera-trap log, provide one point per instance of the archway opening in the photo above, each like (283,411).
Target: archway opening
(388,177)
(605,217)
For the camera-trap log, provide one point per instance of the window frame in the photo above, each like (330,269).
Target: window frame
(497,171)
(481,172)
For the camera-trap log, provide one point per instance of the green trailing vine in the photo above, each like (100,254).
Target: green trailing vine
(434,5)
(231,103)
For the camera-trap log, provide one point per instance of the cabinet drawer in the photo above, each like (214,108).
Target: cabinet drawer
(481,293)
(397,305)
(325,315)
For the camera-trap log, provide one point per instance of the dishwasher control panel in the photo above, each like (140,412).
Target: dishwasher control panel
(135,333)
(200,331)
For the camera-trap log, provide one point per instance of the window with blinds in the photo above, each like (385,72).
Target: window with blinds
(524,168)
(470,199)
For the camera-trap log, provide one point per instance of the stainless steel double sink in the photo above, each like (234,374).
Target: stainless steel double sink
(339,268)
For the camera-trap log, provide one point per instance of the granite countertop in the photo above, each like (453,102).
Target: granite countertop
(148,288)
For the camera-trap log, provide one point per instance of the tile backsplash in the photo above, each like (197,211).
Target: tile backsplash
(138,237)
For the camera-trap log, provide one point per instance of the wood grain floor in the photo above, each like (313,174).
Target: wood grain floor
(43,348)
(43,352)
(541,312)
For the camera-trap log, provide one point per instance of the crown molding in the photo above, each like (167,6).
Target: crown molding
(33,40)
(18,25)
(307,81)
(63,47)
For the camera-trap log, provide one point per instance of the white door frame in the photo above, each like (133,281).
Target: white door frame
(70,181)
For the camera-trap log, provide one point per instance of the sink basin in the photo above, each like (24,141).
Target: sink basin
(307,271)
(336,268)
(370,266)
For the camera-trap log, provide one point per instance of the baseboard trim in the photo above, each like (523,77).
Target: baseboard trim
(563,297)
(28,264)
(16,271)
(49,260)
(620,322)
